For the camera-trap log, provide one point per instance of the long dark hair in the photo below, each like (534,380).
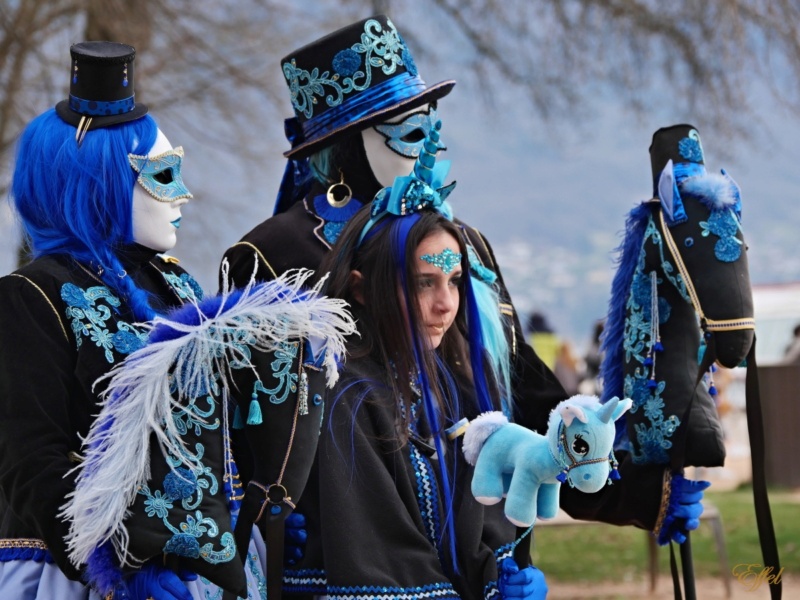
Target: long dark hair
(384,332)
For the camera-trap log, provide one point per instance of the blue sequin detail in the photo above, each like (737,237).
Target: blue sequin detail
(381,49)
(183,544)
(180,484)
(446,260)
(346,62)
(98,108)
(724,224)
(690,147)
(89,312)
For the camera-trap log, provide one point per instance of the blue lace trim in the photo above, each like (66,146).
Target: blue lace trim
(305,581)
(434,590)
(427,495)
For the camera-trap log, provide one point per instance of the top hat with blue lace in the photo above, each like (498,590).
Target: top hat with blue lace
(349,80)
(101,89)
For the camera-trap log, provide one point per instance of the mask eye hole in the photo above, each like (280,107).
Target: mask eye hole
(414,136)
(164,177)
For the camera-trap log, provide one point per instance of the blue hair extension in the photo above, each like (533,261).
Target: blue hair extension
(487,340)
(399,238)
(320,163)
(78,200)
(612,368)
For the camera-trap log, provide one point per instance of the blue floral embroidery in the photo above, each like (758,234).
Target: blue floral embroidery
(185,286)
(724,224)
(380,49)
(89,312)
(654,439)
(186,484)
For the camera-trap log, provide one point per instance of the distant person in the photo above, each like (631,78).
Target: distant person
(544,340)
(568,368)
(591,383)
(792,353)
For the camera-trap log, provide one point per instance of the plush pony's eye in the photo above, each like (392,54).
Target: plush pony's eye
(579,446)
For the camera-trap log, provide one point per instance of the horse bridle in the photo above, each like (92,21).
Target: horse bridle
(705,323)
(574,464)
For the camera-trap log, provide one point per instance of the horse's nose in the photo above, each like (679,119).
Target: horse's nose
(586,476)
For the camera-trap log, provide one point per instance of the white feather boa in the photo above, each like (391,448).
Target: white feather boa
(138,400)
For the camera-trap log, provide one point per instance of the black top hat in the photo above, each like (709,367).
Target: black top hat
(349,80)
(679,143)
(101,86)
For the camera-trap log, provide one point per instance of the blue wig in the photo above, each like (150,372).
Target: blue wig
(78,200)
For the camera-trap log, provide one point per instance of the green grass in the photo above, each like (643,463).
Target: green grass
(599,552)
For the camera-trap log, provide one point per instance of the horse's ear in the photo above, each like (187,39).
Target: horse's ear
(569,412)
(623,407)
(668,194)
(613,409)
(666,190)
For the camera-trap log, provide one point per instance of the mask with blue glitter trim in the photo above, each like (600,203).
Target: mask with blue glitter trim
(160,175)
(407,137)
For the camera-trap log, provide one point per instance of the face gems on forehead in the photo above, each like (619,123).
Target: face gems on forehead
(446,260)
(406,138)
(160,175)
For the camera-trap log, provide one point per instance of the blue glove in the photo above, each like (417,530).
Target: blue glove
(156,582)
(527,584)
(294,545)
(684,510)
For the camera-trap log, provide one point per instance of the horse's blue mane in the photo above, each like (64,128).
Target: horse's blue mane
(611,370)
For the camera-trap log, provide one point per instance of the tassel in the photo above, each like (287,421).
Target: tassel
(238,422)
(712,389)
(648,361)
(651,383)
(659,347)
(562,477)
(254,415)
(303,394)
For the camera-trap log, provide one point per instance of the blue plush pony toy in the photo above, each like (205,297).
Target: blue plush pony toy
(528,468)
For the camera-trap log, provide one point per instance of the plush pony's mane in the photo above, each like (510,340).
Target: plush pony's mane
(611,369)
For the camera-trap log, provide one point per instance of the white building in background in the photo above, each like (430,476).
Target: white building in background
(777,312)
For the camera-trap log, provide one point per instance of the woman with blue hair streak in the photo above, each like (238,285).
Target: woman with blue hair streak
(99,194)
(390,512)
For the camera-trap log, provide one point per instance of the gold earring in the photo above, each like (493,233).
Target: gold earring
(331,196)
